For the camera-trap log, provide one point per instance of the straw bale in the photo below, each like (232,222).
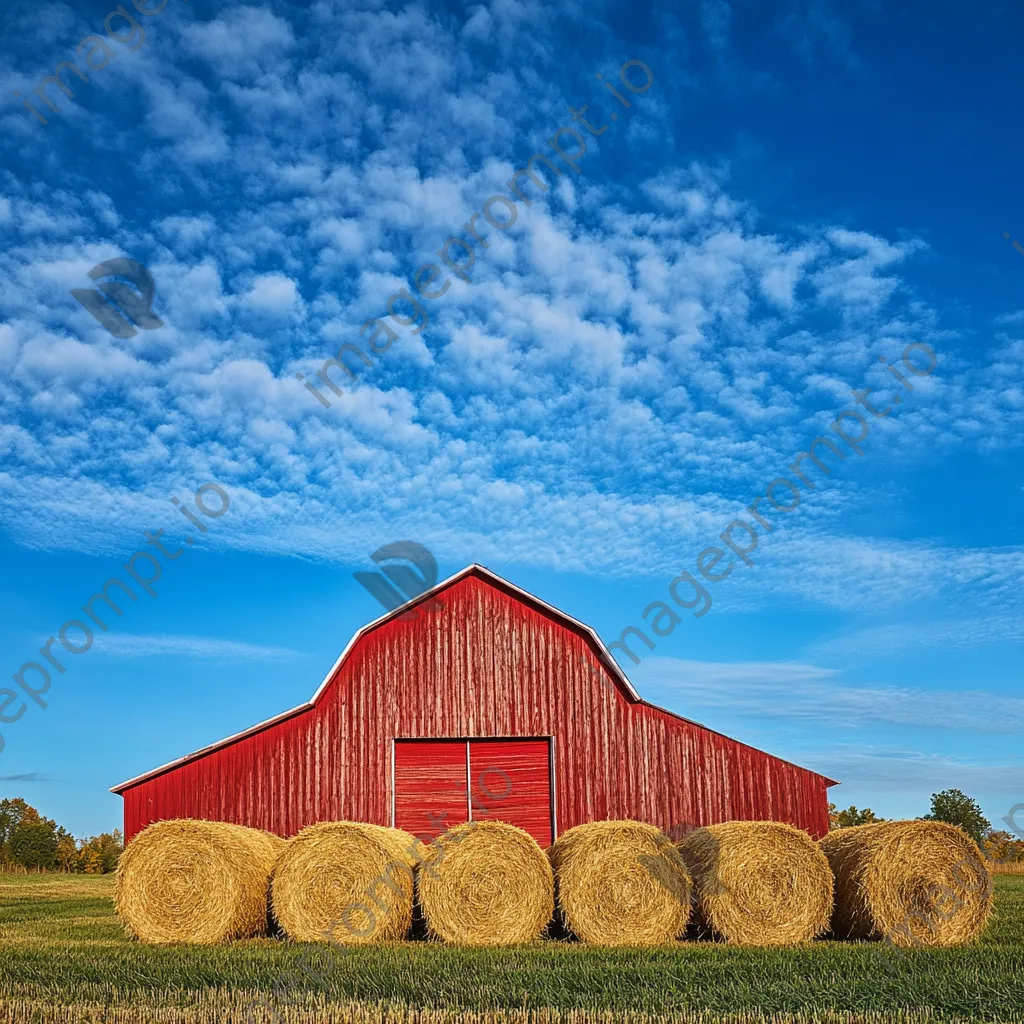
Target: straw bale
(203,882)
(620,883)
(486,883)
(758,883)
(911,882)
(345,882)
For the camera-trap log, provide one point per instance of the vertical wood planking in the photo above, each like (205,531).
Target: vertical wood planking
(485,662)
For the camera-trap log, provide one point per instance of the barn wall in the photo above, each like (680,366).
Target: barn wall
(484,664)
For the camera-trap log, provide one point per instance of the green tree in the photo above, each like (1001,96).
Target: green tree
(850,817)
(29,840)
(33,842)
(111,848)
(12,813)
(957,808)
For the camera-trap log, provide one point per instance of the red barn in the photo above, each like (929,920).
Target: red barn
(477,699)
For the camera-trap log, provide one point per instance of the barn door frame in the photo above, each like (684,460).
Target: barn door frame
(550,740)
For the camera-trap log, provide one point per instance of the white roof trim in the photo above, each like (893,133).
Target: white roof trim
(606,656)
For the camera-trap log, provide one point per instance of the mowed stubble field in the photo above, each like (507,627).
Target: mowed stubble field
(64,958)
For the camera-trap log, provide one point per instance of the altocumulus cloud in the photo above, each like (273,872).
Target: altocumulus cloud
(794,691)
(630,356)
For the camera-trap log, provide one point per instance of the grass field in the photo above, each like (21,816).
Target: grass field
(64,958)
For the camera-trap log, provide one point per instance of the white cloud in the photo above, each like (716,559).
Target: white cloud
(913,772)
(632,360)
(242,42)
(794,691)
(273,293)
(121,645)
(976,629)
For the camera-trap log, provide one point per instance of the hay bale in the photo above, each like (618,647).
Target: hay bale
(202,882)
(486,883)
(345,882)
(620,883)
(911,882)
(758,883)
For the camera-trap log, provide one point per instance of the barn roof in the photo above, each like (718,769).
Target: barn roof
(604,654)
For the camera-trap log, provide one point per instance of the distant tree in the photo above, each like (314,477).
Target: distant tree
(1002,847)
(11,814)
(850,817)
(67,851)
(99,854)
(111,848)
(957,808)
(29,840)
(33,842)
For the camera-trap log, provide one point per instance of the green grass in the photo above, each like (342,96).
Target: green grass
(60,943)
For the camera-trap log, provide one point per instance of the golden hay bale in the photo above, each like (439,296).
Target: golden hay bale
(486,883)
(912,882)
(620,883)
(204,882)
(758,883)
(345,882)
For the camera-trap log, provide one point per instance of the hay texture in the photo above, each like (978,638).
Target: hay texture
(201,882)
(345,882)
(620,883)
(911,882)
(758,883)
(486,883)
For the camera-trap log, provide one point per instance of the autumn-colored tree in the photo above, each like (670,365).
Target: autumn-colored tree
(850,817)
(957,808)
(1002,847)
(28,840)
(67,851)
(90,861)
(99,854)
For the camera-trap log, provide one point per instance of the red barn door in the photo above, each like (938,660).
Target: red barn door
(430,786)
(512,782)
(510,778)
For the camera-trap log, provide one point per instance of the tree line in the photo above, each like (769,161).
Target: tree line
(31,842)
(34,843)
(955,808)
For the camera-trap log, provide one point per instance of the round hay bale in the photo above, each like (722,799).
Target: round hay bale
(345,882)
(758,883)
(620,883)
(202,882)
(911,882)
(486,883)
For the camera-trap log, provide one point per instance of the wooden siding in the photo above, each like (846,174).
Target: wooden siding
(486,663)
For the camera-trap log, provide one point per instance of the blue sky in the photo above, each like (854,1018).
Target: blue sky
(804,188)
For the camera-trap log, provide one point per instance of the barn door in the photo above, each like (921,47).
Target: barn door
(430,786)
(512,782)
(441,783)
